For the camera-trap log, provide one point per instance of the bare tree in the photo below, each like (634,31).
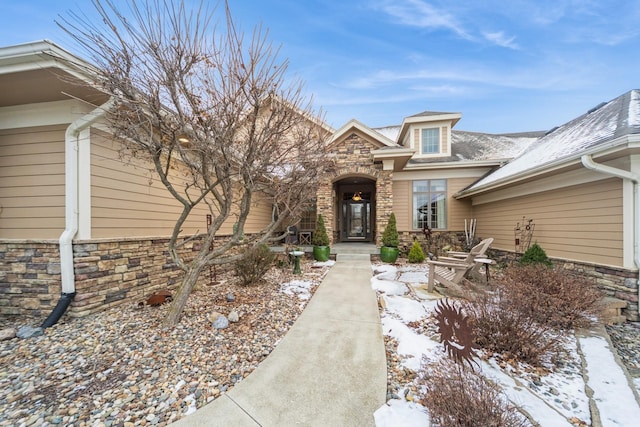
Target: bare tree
(196,95)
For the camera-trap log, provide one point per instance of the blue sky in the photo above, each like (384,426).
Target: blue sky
(506,65)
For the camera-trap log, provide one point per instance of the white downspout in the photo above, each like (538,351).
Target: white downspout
(71,193)
(587,162)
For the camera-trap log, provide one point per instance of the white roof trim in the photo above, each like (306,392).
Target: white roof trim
(43,54)
(353,123)
(617,144)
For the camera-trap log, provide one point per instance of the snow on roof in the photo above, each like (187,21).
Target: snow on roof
(470,146)
(484,146)
(390,132)
(604,123)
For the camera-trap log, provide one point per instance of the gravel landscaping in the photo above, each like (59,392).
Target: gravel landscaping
(122,368)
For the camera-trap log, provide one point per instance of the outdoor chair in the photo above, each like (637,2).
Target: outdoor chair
(478,251)
(449,271)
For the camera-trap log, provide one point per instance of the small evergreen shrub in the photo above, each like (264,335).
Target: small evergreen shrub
(461,397)
(390,236)
(416,254)
(535,255)
(320,237)
(254,264)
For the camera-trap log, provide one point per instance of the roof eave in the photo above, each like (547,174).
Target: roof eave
(408,121)
(43,54)
(353,123)
(456,164)
(616,145)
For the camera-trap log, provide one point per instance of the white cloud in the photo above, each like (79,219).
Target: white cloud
(499,38)
(418,13)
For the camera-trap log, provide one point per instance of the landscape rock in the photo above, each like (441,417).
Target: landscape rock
(234,317)
(121,367)
(26,332)
(7,334)
(219,321)
(230,297)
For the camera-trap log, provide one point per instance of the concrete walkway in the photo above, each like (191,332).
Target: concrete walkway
(330,369)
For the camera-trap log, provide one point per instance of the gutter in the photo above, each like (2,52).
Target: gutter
(71,210)
(589,163)
(620,143)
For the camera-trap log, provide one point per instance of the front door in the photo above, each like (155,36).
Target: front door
(356,216)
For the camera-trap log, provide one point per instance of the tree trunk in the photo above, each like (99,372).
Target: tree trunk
(182,294)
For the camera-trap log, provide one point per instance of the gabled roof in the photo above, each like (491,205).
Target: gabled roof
(427,116)
(355,124)
(475,146)
(606,126)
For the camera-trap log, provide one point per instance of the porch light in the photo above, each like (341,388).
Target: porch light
(357,196)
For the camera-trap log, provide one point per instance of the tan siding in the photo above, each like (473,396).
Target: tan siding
(32,176)
(582,222)
(260,215)
(128,199)
(402,204)
(457,210)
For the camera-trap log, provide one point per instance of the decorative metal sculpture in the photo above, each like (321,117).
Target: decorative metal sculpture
(455,333)
(523,234)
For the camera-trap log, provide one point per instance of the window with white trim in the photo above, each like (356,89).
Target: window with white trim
(430,141)
(430,204)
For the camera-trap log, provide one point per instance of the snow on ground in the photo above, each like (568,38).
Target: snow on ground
(610,387)
(551,399)
(400,413)
(301,288)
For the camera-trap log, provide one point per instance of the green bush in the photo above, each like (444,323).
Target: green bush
(254,264)
(416,254)
(390,236)
(320,237)
(535,255)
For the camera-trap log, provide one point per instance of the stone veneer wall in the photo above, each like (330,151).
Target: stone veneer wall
(615,282)
(352,157)
(108,272)
(29,277)
(451,240)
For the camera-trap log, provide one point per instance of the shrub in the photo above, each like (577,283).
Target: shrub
(390,236)
(416,254)
(254,264)
(501,327)
(320,237)
(532,303)
(535,255)
(551,296)
(459,396)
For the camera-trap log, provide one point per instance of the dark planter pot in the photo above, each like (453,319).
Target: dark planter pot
(389,254)
(321,253)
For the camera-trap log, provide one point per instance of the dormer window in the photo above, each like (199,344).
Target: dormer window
(430,141)
(428,134)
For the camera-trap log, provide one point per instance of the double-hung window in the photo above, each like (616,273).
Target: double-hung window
(430,141)
(430,204)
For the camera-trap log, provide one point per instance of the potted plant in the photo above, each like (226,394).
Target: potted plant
(320,241)
(389,250)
